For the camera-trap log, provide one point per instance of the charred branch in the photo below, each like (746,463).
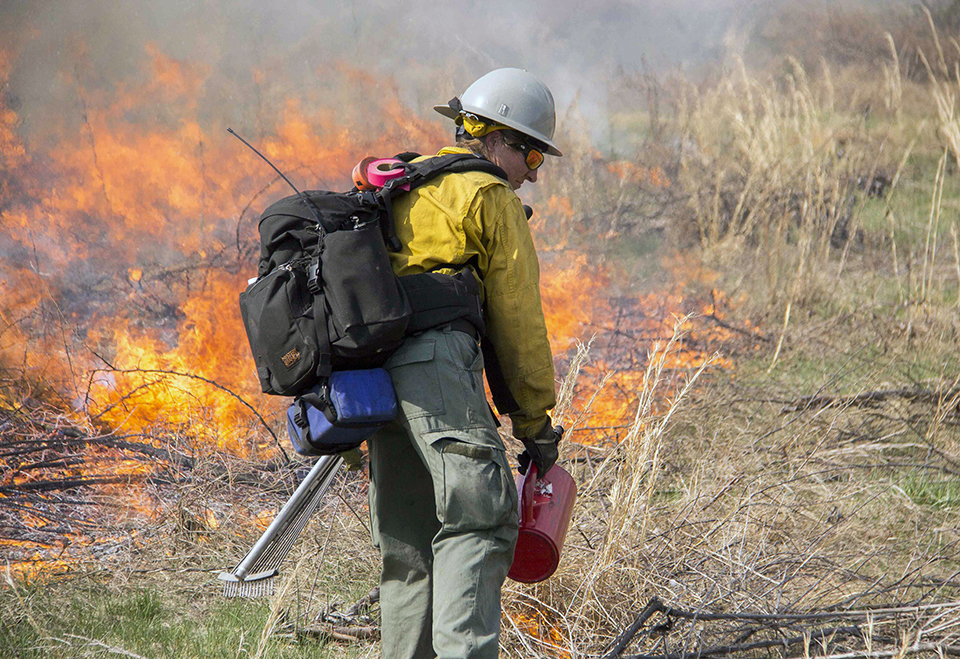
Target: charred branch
(873,399)
(625,637)
(754,623)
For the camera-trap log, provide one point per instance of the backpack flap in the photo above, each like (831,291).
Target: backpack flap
(367,307)
(277,316)
(363,398)
(288,228)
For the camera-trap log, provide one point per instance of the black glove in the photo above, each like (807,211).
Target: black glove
(541,450)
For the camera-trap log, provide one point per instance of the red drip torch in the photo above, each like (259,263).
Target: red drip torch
(546,506)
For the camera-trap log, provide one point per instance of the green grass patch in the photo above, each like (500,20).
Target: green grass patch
(925,489)
(86,618)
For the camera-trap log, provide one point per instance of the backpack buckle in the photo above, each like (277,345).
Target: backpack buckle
(300,416)
(328,409)
(313,276)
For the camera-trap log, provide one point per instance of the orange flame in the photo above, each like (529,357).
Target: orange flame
(129,240)
(634,173)
(535,624)
(577,306)
(138,196)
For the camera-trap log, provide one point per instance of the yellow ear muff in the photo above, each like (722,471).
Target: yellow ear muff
(476,126)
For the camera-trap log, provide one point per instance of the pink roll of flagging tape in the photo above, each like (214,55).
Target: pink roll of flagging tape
(382,170)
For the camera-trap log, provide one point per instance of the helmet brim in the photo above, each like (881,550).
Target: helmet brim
(446,111)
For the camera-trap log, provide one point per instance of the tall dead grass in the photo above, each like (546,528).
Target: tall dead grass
(603,562)
(827,479)
(944,86)
(772,169)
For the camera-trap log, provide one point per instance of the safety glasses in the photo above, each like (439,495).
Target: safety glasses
(532,155)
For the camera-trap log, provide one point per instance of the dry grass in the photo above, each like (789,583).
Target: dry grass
(754,497)
(821,475)
(735,502)
(774,173)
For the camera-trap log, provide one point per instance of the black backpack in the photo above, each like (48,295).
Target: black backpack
(326,297)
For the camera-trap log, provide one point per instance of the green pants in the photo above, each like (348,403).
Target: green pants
(443,505)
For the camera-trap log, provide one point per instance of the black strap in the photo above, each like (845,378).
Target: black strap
(300,416)
(325,359)
(388,225)
(422,172)
(465,326)
(320,400)
(315,286)
(301,419)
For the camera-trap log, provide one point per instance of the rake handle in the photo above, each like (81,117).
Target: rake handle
(324,466)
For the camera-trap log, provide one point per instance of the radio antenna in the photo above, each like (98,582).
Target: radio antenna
(303,197)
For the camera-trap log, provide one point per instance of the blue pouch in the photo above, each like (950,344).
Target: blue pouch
(342,412)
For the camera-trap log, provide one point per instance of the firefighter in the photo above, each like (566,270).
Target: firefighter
(443,503)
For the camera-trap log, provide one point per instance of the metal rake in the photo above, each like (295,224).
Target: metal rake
(256,573)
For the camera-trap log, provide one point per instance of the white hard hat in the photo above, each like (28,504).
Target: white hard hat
(512,97)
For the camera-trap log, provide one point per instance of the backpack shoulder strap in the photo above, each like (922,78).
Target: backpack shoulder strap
(419,173)
(407,156)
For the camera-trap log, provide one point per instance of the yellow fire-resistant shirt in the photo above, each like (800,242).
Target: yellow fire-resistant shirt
(474,215)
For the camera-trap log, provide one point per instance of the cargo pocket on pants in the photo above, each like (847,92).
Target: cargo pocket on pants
(415,379)
(478,492)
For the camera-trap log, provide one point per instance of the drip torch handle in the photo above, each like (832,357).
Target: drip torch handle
(527,488)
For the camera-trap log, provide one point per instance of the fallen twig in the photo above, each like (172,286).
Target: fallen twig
(623,640)
(724,650)
(347,634)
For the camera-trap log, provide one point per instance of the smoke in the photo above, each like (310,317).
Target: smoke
(256,52)
(126,208)
(252,48)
